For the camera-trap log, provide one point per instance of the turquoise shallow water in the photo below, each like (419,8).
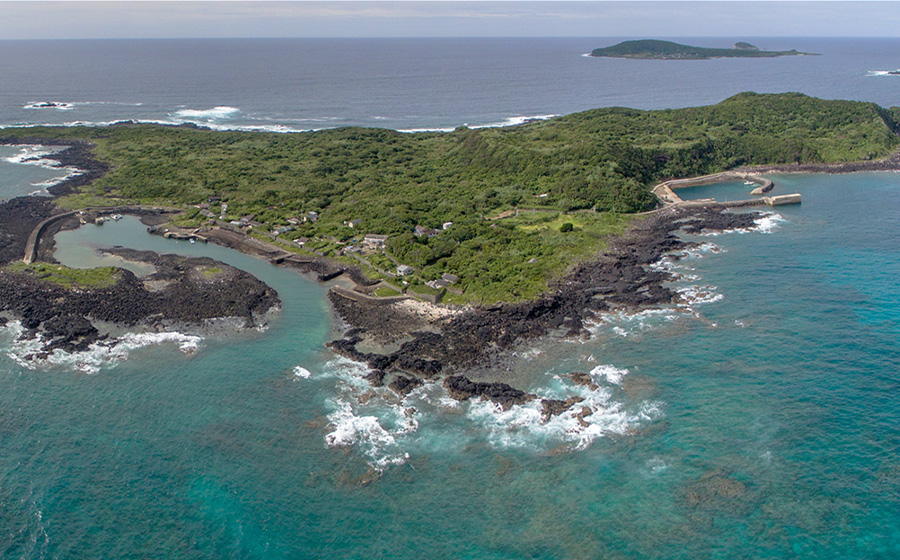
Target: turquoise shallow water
(760,424)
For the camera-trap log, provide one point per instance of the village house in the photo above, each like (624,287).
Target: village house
(450,278)
(301,241)
(447,225)
(283,229)
(437,284)
(404,270)
(419,231)
(352,223)
(207,214)
(295,221)
(311,217)
(374,241)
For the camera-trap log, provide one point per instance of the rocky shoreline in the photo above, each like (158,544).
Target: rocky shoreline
(890,163)
(478,340)
(75,154)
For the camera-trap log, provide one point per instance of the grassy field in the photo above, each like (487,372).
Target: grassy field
(68,277)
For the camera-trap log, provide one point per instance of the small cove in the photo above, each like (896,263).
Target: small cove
(728,191)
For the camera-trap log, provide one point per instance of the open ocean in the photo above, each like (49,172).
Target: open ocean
(758,419)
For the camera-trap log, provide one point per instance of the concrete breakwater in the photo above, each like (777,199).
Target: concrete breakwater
(665,191)
(87,214)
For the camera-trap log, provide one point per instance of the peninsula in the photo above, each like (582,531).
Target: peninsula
(667,50)
(519,232)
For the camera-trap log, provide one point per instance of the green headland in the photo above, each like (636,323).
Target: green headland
(667,50)
(504,212)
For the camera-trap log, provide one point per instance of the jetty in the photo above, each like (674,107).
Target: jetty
(665,191)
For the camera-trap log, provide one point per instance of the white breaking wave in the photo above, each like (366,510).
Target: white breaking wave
(222,112)
(69,105)
(510,121)
(514,121)
(418,130)
(98,355)
(598,415)
(611,374)
(690,296)
(212,119)
(37,155)
(883,73)
(629,323)
(769,222)
(384,428)
(301,372)
(211,125)
(32,155)
(625,323)
(59,106)
(370,419)
(366,432)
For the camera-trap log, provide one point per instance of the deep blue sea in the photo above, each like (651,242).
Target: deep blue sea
(759,418)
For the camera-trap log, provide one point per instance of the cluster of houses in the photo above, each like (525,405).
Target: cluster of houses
(445,280)
(311,217)
(370,243)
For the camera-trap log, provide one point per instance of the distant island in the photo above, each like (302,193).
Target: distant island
(667,50)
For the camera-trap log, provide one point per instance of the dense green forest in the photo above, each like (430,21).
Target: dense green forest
(590,169)
(667,50)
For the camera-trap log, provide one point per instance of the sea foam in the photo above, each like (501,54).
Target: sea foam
(598,415)
(769,222)
(385,428)
(58,105)
(99,355)
(221,112)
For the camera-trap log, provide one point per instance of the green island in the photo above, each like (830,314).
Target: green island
(667,50)
(495,214)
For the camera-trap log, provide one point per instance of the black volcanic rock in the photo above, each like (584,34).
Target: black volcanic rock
(462,388)
(180,292)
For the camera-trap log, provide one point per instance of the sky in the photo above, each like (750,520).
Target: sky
(652,19)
